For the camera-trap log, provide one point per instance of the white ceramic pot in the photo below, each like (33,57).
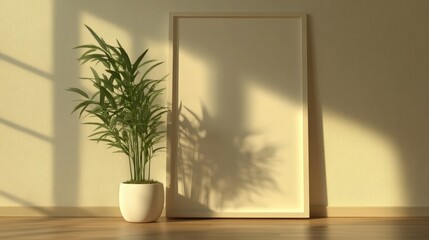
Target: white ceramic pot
(141,202)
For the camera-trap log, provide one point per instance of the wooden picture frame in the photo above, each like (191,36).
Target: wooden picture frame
(238,127)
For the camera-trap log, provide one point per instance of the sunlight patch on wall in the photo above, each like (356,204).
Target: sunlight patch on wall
(26,101)
(198,72)
(29,36)
(280,111)
(363,166)
(25,162)
(106,29)
(282,122)
(26,65)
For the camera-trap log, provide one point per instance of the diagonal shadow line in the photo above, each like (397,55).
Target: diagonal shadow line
(25,66)
(25,130)
(45,211)
(25,203)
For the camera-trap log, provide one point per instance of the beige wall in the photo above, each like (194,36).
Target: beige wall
(368,84)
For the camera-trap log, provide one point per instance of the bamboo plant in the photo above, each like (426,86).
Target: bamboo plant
(124,107)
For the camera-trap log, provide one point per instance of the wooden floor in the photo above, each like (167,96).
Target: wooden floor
(249,229)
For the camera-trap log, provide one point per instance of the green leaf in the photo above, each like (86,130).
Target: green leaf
(109,97)
(102,97)
(98,133)
(83,110)
(150,69)
(102,140)
(158,149)
(146,62)
(90,46)
(99,125)
(100,41)
(139,59)
(78,91)
(82,104)
(94,56)
(124,57)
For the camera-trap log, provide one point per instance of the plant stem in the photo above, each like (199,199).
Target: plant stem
(129,165)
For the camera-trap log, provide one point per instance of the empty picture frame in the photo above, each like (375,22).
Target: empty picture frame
(237,134)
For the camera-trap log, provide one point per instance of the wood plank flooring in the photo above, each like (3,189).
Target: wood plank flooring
(249,229)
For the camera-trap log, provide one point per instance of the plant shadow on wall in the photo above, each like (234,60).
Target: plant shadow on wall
(214,170)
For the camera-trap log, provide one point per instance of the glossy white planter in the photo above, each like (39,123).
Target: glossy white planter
(141,202)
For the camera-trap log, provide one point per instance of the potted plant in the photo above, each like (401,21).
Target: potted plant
(125,111)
